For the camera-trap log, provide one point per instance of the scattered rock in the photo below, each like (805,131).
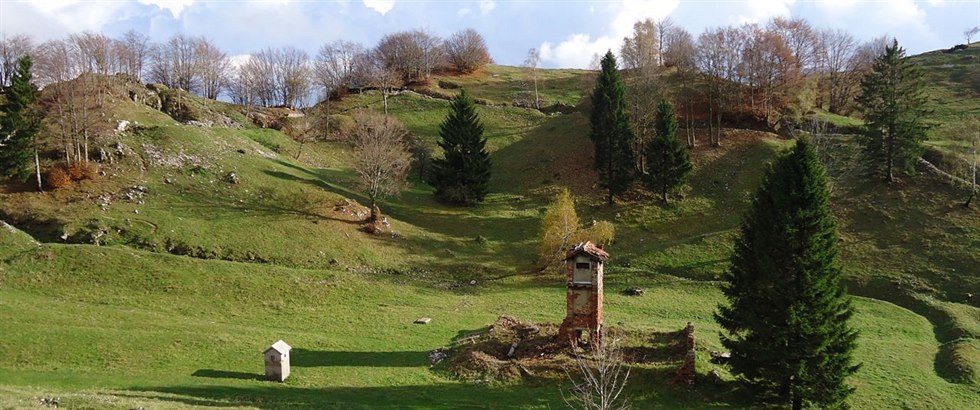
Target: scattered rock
(423,321)
(231,178)
(480,239)
(122,126)
(720,357)
(168,181)
(134,194)
(634,291)
(437,356)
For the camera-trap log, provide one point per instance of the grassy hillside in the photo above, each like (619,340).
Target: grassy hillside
(196,273)
(157,330)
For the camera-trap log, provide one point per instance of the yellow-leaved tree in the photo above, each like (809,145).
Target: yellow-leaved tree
(560,230)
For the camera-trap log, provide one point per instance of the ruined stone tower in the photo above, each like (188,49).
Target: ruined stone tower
(583,272)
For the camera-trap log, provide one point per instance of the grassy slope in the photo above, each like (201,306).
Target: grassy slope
(953,86)
(168,330)
(163,307)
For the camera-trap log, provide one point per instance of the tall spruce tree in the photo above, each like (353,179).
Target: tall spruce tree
(610,130)
(462,175)
(786,317)
(665,156)
(894,106)
(19,122)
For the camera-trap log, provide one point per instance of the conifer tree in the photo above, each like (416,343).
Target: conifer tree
(462,175)
(894,106)
(786,317)
(610,130)
(665,156)
(19,123)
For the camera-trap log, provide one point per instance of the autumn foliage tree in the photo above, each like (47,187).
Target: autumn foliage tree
(560,230)
(466,51)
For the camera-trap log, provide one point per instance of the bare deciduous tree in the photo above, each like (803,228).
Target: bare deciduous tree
(412,54)
(132,50)
(467,51)
(381,157)
(531,64)
(680,53)
(340,65)
(837,50)
(174,63)
(969,33)
(95,52)
(382,76)
(292,76)
(213,68)
(719,52)
(12,49)
(601,379)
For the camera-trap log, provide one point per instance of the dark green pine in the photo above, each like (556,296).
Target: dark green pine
(786,317)
(894,104)
(665,156)
(462,175)
(18,123)
(610,131)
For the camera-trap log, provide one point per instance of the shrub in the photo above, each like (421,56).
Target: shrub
(58,178)
(82,171)
(449,85)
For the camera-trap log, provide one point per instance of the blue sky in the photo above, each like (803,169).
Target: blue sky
(568,33)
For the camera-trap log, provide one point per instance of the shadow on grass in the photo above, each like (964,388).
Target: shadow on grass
(225,374)
(318,358)
(284,396)
(483,244)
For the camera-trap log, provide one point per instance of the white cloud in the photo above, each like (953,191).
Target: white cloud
(577,50)
(487,6)
(174,6)
(380,6)
(759,11)
(463,12)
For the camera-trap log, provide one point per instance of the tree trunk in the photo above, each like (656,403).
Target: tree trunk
(890,156)
(302,142)
(537,102)
(384,96)
(663,193)
(973,176)
(37,170)
(85,159)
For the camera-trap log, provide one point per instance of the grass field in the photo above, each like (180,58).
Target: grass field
(197,275)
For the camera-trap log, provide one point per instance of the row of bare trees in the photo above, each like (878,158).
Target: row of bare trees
(762,71)
(274,76)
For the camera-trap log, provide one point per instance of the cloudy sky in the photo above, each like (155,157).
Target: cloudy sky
(567,32)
